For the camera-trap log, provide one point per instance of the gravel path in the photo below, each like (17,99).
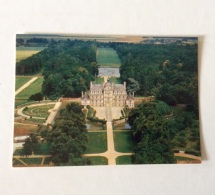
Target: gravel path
(25,85)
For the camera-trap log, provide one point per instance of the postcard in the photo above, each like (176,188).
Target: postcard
(84,100)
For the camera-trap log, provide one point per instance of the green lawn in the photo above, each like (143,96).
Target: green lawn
(108,57)
(98,80)
(123,160)
(115,80)
(97,142)
(20,81)
(33,88)
(32,161)
(123,141)
(98,160)
(36,120)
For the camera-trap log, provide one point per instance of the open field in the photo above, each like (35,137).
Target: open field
(108,57)
(33,88)
(115,80)
(123,160)
(123,141)
(97,142)
(98,80)
(38,111)
(98,160)
(25,52)
(20,81)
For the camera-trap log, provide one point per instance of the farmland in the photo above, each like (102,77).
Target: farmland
(108,57)
(35,87)
(25,52)
(20,81)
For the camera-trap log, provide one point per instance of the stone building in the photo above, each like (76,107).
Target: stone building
(107,94)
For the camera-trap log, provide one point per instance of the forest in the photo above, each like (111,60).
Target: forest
(67,67)
(167,71)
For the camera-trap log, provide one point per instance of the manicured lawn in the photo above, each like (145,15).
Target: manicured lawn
(123,160)
(97,142)
(123,141)
(38,111)
(98,160)
(115,80)
(36,120)
(32,161)
(20,81)
(33,88)
(98,80)
(108,57)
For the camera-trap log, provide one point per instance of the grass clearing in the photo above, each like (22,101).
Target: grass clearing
(123,160)
(123,141)
(98,160)
(97,142)
(20,81)
(98,80)
(115,80)
(33,88)
(108,57)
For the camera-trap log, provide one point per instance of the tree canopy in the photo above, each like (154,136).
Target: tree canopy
(152,135)
(68,137)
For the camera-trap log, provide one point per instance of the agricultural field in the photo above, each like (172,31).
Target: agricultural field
(25,52)
(108,57)
(115,80)
(33,88)
(21,80)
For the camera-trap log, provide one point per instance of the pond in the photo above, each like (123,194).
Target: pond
(112,72)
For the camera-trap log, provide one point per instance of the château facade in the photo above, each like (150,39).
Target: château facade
(107,94)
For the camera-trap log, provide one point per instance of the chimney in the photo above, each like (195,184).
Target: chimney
(82,94)
(124,84)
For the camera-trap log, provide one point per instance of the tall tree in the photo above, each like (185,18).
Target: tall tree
(152,135)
